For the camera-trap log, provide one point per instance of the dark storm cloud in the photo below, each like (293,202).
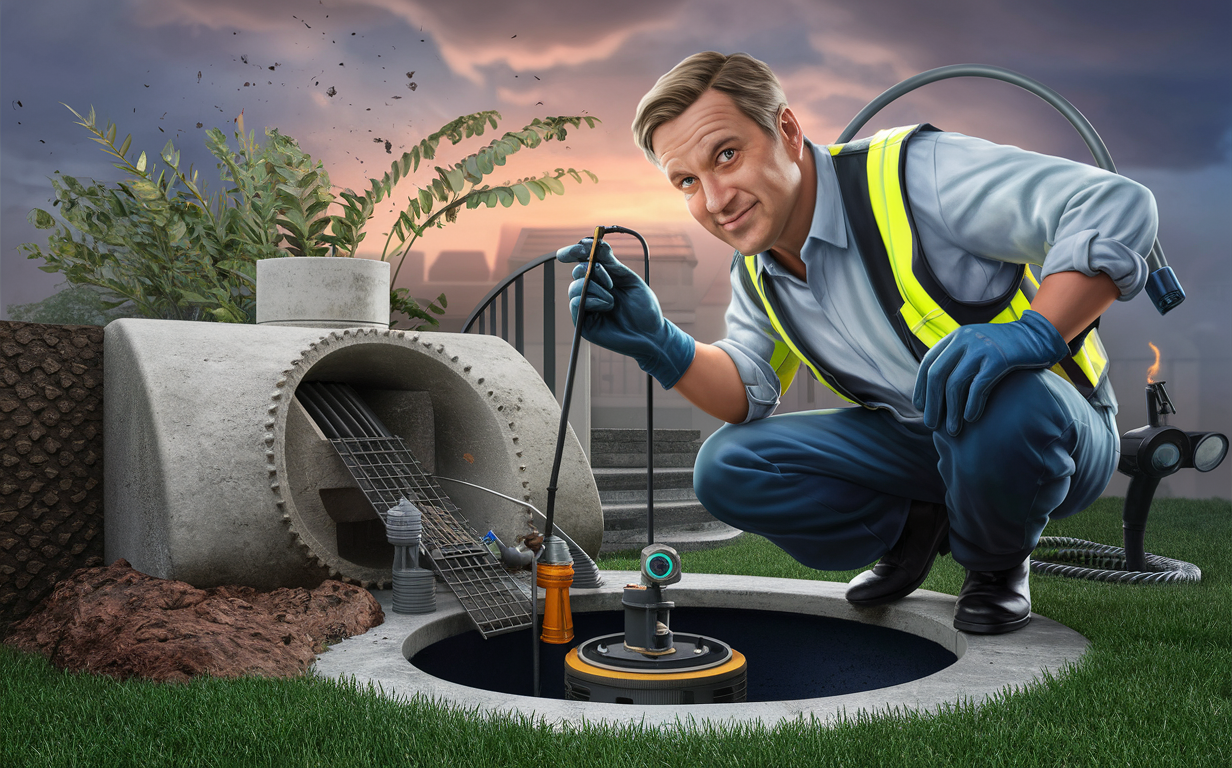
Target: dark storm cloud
(1153,79)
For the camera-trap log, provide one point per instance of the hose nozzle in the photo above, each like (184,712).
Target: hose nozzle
(1164,289)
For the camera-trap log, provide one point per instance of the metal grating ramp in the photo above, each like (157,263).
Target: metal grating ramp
(386,471)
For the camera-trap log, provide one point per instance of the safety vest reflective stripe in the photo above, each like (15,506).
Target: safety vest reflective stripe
(926,319)
(787,356)
(924,316)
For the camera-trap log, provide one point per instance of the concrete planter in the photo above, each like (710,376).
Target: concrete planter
(323,292)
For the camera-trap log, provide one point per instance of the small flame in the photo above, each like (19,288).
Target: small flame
(1154,369)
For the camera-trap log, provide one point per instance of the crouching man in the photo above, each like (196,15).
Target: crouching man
(894,271)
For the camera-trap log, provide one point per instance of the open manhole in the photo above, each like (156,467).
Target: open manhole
(810,654)
(789,655)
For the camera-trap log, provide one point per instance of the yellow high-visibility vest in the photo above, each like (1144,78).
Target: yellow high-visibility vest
(870,173)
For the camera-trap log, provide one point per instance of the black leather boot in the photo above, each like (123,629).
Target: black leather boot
(906,565)
(993,602)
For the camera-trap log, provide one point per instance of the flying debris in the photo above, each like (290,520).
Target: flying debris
(540,104)
(199,125)
(512,37)
(198,76)
(331,92)
(412,85)
(389,148)
(18,103)
(409,75)
(537,77)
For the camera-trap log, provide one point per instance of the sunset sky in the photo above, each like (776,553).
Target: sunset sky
(1155,80)
(1155,85)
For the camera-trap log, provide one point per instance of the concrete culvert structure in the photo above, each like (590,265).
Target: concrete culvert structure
(215,473)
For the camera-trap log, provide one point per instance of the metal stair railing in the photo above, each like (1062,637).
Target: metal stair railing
(488,304)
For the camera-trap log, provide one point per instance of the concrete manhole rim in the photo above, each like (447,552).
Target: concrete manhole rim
(987,665)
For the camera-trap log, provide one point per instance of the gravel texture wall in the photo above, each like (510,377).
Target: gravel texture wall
(51,459)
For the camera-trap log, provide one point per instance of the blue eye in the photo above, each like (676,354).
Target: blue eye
(727,154)
(687,182)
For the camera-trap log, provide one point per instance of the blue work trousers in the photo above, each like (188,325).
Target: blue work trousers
(833,487)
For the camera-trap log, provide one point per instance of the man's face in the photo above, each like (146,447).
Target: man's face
(738,182)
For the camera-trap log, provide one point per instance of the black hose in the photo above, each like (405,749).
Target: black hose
(1155,259)
(1081,559)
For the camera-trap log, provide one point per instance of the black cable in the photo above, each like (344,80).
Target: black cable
(310,393)
(359,408)
(568,398)
(564,408)
(304,393)
(649,402)
(345,418)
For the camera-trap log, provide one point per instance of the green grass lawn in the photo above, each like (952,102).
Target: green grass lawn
(1154,690)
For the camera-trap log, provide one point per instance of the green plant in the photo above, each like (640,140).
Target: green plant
(456,186)
(158,240)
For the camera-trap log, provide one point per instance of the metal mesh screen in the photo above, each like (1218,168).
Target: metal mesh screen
(386,472)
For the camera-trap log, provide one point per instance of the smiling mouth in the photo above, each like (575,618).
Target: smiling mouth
(736,221)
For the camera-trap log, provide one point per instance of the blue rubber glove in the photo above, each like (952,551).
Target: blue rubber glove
(623,315)
(959,372)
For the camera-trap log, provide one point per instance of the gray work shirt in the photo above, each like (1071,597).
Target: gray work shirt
(980,209)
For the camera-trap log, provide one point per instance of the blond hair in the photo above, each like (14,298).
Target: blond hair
(749,82)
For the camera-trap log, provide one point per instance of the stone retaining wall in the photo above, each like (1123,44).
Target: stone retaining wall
(51,459)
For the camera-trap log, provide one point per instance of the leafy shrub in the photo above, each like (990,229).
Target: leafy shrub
(157,239)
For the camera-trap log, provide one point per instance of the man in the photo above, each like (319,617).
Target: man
(892,270)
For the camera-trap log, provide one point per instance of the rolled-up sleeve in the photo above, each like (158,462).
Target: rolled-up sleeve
(1009,204)
(750,344)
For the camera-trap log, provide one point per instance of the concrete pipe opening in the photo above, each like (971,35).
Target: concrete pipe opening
(215,474)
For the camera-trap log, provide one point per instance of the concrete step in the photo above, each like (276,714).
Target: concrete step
(605,436)
(638,495)
(635,459)
(625,478)
(684,538)
(667,513)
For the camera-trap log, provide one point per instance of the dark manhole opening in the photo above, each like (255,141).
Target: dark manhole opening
(790,655)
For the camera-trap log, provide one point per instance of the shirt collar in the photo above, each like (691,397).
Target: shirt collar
(829,220)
